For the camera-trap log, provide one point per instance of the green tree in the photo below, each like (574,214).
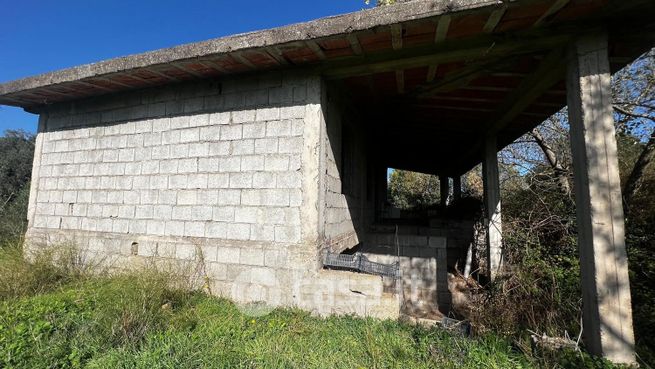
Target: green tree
(413,190)
(16,154)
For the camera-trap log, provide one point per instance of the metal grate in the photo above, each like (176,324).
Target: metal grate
(360,262)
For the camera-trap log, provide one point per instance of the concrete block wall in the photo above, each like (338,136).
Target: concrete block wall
(344,209)
(423,270)
(222,173)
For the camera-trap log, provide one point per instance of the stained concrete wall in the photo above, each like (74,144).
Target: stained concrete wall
(225,174)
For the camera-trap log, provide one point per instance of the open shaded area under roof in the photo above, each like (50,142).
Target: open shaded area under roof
(428,77)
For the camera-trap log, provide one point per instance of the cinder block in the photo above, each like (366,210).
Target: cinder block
(178,122)
(290,145)
(218,180)
(155,227)
(223,213)
(278,128)
(179,151)
(198,120)
(219,148)
(438,242)
(185,251)
(229,197)
(199,149)
(215,230)
(254,130)
(238,231)
(252,163)
(160,152)
(174,228)
(291,112)
(219,118)
(243,116)
(287,234)
(267,114)
(262,232)
(194,229)
(187,166)
(211,133)
(250,256)
(288,180)
(162,212)
(245,215)
(229,255)
(144,211)
(229,164)
(231,132)
(240,180)
(137,226)
(276,163)
(197,180)
(266,145)
(243,147)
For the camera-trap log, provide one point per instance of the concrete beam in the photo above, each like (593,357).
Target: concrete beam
(607,314)
(457,188)
(494,223)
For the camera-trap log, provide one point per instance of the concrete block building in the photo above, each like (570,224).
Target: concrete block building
(259,153)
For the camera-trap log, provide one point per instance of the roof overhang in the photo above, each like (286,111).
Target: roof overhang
(457,69)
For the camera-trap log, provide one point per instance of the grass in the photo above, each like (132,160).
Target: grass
(62,318)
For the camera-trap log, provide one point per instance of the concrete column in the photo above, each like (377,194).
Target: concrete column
(457,188)
(444,190)
(607,314)
(492,206)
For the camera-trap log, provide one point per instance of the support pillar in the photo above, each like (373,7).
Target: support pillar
(492,206)
(444,190)
(607,312)
(457,188)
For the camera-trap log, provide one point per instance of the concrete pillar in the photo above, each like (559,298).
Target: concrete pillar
(457,188)
(444,190)
(492,206)
(607,314)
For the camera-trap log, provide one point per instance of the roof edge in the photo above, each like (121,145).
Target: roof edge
(319,28)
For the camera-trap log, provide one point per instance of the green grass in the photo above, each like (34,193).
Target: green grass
(64,320)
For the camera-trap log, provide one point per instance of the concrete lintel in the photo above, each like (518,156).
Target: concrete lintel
(494,224)
(607,312)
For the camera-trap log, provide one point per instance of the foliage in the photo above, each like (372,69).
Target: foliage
(140,321)
(16,152)
(413,190)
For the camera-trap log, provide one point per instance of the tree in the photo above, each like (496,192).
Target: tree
(16,154)
(410,190)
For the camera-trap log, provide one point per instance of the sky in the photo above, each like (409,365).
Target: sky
(43,36)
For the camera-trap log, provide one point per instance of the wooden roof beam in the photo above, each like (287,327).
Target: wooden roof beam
(442,29)
(547,74)
(494,18)
(276,54)
(354,44)
(316,48)
(160,74)
(242,59)
(89,84)
(397,36)
(554,9)
(187,70)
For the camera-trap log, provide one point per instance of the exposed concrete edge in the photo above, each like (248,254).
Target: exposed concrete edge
(323,27)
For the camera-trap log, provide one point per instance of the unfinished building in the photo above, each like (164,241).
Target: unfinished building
(261,153)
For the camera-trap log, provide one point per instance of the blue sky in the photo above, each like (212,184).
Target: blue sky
(42,36)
